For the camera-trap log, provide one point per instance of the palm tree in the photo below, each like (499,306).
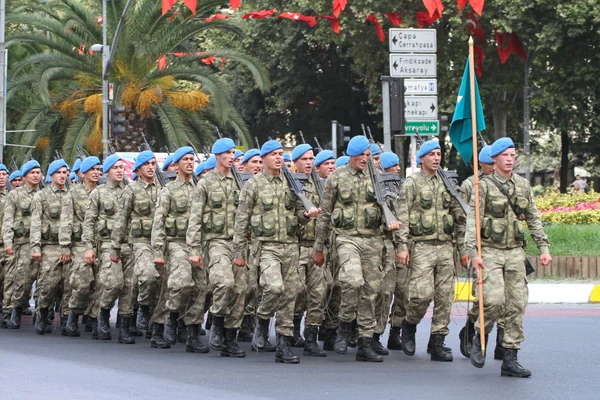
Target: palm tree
(173,100)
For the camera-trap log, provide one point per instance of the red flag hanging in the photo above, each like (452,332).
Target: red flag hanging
(394,18)
(235,4)
(477,5)
(335,22)
(191,4)
(434,5)
(260,14)
(167,5)
(509,43)
(294,16)
(209,60)
(461,4)
(162,62)
(475,29)
(372,18)
(425,20)
(339,6)
(217,17)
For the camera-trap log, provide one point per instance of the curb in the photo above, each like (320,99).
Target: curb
(576,293)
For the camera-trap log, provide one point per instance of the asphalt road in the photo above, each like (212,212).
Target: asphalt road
(562,350)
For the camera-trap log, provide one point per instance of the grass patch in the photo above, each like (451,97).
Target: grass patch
(569,240)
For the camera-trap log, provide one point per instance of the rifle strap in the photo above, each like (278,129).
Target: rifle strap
(502,190)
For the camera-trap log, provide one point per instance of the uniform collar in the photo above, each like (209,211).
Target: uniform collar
(113,185)
(55,189)
(30,190)
(502,179)
(271,177)
(146,184)
(220,175)
(179,181)
(353,170)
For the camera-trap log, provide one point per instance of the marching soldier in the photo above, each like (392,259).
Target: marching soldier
(77,169)
(210,239)
(168,165)
(3,193)
(237,160)
(15,179)
(341,161)
(506,200)
(270,213)
(325,163)
(45,222)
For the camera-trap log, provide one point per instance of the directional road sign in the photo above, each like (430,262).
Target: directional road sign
(413,40)
(413,65)
(420,86)
(423,127)
(420,107)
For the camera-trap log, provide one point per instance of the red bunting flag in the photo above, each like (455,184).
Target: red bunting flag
(191,4)
(216,17)
(372,18)
(461,4)
(209,60)
(424,19)
(475,29)
(260,14)
(294,16)
(235,4)
(394,18)
(162,62)
(339,6)
(434,5)
(477,5)
(167,5)
(509,43)
(334,21)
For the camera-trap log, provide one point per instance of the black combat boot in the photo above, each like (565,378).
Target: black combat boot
(284,354)
(193,343)
(217,332)
(63,325)
(477,357)
(511,366)
(394,341)
(353,338)
(230,347)
(378,347)
(5,320)
(41,320)
(365,351)
(89,323)
(499,350)
(104,324)
(466,338)
(408,338)
(311,348)
(157,341)
(170,334)
(93,322)
(143,316)
(261,334)
(329,341)
(15,318)
(297,339)
(247,329)
(72,326)
(148,334)
(118,321)
(124,334)
(431,343)
(321,334)
(208,323)
(343,337)
(50,320)
(439,351)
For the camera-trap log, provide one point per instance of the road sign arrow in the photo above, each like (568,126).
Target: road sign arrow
(432,107)
(395,65)
(395,40)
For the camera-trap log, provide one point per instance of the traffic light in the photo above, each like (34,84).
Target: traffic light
(443,123)
(117,120)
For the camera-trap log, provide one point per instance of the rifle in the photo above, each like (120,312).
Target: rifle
(313,173)
(81,153)
(240,178)
(159,174)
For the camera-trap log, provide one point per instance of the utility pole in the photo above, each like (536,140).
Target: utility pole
(3,71)
(105,55)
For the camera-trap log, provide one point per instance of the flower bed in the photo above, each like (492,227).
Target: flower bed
(579,208)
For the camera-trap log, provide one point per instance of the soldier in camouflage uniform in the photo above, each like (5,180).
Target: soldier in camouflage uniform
(506,200)
(133,227)
(271,214)
(183,286)
(3,192)
(349,201)
(210,239)
(114,279)
(74,205)
(45,221)
(428,222)
(21,270)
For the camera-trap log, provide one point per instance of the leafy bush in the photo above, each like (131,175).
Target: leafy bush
(575,208)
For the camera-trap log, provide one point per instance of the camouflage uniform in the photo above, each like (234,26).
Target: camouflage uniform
(3,194)
(273,214)
(502,235)
(21,271)
(210,235)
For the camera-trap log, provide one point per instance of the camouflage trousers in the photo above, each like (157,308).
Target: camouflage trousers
(146,274)
(360,276)
(278,263)
(398,312)
(505,292)
(431,279)
(313,284)
(252,291)
(473,312)
(20,274)
(333,298)
(228,282)
(81,281)
(52,274)
(183,287)
(2,262)
(114,281)
(384,299)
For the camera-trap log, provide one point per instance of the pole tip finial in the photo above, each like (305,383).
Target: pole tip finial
(471,40)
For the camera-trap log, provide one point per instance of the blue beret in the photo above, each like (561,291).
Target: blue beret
(89,163)
(223,145)
(200,168)
(3,168)
(133,176)
(375,149)
(14,175)
(389,159)
(287,157)
(168,161)
(56,165)
(48,179)
(427,148)
(269,147)
(357,146)
(28,166)
(484,155)
(238,154)
(182,151)
(110,161)
(143,158)
(74,177)
(324,156)
(300,150)
(341,161)
(77,165)
(500,145)
(249,154)
(210,163)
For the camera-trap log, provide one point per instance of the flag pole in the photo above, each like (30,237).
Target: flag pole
(476,184)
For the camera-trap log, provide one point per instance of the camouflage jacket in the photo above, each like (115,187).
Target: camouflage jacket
(45,217)
(72,215)
(269,211)
(172,214)
(213,210)
(16,223)
(100,214)
(308,231)
(3,194)
(500,227)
